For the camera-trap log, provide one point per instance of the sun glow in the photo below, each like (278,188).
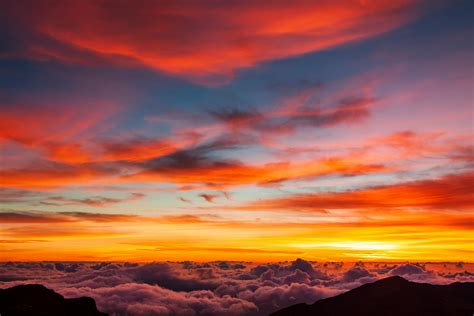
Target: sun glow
(367,245)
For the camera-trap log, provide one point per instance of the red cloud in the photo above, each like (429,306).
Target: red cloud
(33,124)
(45,174)
(197,39)
(449,192)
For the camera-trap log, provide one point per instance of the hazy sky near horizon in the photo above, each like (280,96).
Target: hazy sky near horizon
(239,130)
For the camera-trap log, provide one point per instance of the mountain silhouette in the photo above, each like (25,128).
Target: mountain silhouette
(393,296)
(37,300)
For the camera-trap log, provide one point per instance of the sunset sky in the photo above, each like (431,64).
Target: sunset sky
(237,130)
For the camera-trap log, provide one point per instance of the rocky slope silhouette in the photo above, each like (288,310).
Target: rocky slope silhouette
(35,299)
(393,296)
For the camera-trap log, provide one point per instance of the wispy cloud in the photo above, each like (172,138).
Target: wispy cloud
(95,201)
(219,45)
(450,192)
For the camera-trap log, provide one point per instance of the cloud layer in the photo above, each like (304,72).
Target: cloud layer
(215,288)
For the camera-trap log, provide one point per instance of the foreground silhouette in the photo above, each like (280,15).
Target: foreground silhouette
(393,296)
(35,299)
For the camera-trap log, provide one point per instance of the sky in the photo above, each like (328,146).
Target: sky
(237,130)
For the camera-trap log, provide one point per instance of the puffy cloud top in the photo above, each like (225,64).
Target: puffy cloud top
(214,288)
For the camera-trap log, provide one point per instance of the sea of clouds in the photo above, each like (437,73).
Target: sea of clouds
(215,288)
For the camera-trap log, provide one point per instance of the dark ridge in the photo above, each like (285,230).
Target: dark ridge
(35,299)
(393,296)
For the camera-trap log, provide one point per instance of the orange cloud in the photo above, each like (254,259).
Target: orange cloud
(216,174)
(137,150)
(451,192)
(56,132)
(198,39)
(33,124)
(47,174)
